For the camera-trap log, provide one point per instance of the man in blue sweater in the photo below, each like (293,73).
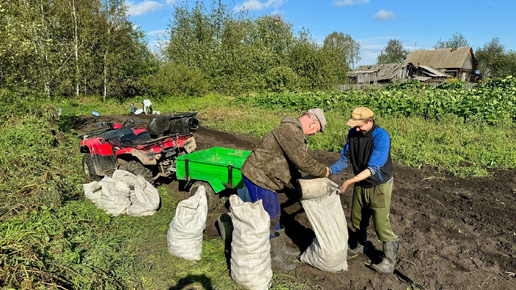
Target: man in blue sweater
(368,151)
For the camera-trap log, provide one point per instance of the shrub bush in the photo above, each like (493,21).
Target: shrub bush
(177,79)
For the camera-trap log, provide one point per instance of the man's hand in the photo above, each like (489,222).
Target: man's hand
(327,171)
(359,177)
(345,185)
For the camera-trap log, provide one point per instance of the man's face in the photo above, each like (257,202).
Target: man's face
(313,128)
(364,126)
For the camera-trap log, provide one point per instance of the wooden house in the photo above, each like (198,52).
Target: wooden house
(456,62)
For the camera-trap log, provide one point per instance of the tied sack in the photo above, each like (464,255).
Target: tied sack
(124,193)
(184,237)
(328,251)
(250,246)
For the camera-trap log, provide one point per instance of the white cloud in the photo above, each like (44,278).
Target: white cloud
(258,5)
(384,15)
(349,2)
(143,7)
(162,32)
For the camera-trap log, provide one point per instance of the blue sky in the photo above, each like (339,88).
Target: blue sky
(417,24)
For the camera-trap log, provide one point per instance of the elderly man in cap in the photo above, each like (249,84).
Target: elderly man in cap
(273,165)
(368,151)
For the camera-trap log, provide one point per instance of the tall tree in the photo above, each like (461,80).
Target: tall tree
(67,47)
(392,53)
(342,48)
(490,58)
(508,67)
(457,40)
(237,53)
(311,65)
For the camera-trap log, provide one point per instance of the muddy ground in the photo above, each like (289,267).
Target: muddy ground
(455,233)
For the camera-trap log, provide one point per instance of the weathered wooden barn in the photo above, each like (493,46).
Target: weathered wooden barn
(426,74)
(387,73)
(429,66)
(378,73)
(456,62)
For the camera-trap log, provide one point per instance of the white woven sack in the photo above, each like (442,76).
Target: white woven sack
(328,251)
(124,193)
(109,194)
(144,196)
(250,246)
(184,237)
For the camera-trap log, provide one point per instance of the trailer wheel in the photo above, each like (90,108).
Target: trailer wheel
(213,199)
(89,167)
(137,168)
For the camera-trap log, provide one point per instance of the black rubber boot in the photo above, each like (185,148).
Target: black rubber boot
(361,245)
(289,251)
(278,258)
(390,249)
(225,227)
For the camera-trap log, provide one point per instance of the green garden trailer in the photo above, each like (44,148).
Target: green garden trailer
(216,169)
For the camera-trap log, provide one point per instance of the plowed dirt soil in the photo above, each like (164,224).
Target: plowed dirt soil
(455,233)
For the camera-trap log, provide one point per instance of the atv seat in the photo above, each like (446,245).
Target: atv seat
(125,137)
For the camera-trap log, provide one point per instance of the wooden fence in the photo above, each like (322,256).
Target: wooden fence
(379,86)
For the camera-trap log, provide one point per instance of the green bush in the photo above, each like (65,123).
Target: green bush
(281,79)
(177,79)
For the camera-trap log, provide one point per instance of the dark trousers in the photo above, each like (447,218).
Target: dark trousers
(270,202)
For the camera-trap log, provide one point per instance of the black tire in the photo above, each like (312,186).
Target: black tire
(213,199)
(89,167)
(137,168)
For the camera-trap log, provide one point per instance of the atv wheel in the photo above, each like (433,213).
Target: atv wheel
(213,199)
(89,167)
(137,168)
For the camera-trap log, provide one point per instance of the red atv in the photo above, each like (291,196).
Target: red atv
(150,152)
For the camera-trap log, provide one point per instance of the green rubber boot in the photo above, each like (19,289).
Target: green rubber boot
(289,251)
(390,249)
(278,258)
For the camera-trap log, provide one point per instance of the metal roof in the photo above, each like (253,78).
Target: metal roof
(440,58)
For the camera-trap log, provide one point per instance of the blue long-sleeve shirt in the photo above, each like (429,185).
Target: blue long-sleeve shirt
(367,151)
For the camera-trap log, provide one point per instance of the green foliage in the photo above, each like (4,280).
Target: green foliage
(493,101)
(410,84)
(341,49)
(457,40)
(35,165)
(452,84)
(237,54)
(280,79)
(68,247)
(171,79)
(46,238)
(466,149)
(489,58)
(392,53)
(70,48)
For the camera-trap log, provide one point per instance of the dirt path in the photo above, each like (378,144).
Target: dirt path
(456,233)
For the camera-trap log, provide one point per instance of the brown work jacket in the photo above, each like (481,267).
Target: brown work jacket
(274,163)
